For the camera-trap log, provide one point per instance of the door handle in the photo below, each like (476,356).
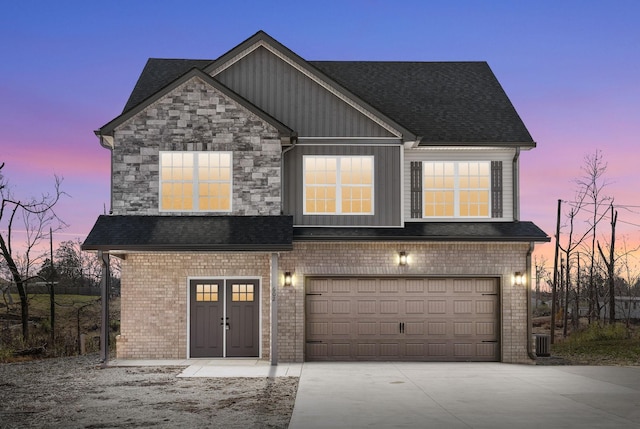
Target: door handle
(401,327)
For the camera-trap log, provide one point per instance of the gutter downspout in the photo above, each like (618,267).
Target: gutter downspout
(282,182)
(530,352)
(105,292)
(274,269)
(516,184)
(107,143)
(274,309)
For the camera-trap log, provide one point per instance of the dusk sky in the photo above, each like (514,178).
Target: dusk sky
(571,69)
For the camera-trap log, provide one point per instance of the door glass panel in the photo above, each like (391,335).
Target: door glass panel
(206,292)
(242,292)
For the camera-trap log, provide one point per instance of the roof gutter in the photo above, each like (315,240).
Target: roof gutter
(108,143)
(530,352)
(292,141)
(515,172)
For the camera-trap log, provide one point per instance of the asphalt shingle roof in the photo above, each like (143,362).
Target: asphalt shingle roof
(429,231)
(443,102)
(453,102)
(158,73)
(191,233)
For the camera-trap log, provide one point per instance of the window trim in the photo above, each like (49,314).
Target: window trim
(456,190)
(339,186)
(195,182)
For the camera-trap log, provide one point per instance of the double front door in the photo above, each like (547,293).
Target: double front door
(224,319)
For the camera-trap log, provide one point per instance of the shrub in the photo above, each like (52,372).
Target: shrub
(597,332)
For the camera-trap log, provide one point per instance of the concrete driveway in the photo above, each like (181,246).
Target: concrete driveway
(466,395)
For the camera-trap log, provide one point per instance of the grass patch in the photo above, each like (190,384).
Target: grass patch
(75,314)
(601,345)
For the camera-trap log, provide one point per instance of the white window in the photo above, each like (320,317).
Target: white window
(195,181)
(338,185)
(456,189)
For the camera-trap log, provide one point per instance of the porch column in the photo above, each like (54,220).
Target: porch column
(274,309)
(105,286)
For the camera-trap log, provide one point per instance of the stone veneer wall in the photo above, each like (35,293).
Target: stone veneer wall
(154,299)
(196,117)
(429,259)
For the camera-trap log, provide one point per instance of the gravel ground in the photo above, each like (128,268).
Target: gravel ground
(77,393)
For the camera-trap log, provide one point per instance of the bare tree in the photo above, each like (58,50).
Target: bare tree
(36,215)
(610,264)
(592,184)
(631,277)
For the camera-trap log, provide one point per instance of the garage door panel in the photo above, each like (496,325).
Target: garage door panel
(341,287)
(463,350)
(389,306)
(341,306)
(340,328)
(485,306)
(489,329)
(367,306)
(368,328)
(436,306)
(486,351)
(415,286)
(414,328)
(366,287)
(389,286)
(318,306)
(435,286)
(320,351)
(389,328)
(389,350)
(437,350)
(436,328)
(414,306)
(463,329)
(489,286)
(463,286)
(318,328)
(462,307)
(414,319)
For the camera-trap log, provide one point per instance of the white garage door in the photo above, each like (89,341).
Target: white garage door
(402,319)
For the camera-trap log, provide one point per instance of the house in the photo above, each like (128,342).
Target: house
(627,307)
(268,206)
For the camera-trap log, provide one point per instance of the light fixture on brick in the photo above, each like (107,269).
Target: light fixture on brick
(403,259)
(518,278)
(288,278)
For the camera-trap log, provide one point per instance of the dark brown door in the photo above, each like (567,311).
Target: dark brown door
(224,313)
(242,317)
(207,297)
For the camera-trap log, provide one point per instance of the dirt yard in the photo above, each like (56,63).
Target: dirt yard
(76,393)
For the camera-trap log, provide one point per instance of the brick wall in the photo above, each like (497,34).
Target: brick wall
(154,289)
(154,299)
(196,117)
(499,260)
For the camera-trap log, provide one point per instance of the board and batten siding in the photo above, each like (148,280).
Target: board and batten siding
(506,156)
(295,99)
(386,192)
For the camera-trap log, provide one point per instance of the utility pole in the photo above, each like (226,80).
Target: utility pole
(52,296)
(565,307)
(554,289)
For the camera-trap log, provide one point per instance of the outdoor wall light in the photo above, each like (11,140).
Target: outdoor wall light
(518,279)
(403,259)
(288,278)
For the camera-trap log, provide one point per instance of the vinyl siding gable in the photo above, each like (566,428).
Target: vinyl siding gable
(297,100)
